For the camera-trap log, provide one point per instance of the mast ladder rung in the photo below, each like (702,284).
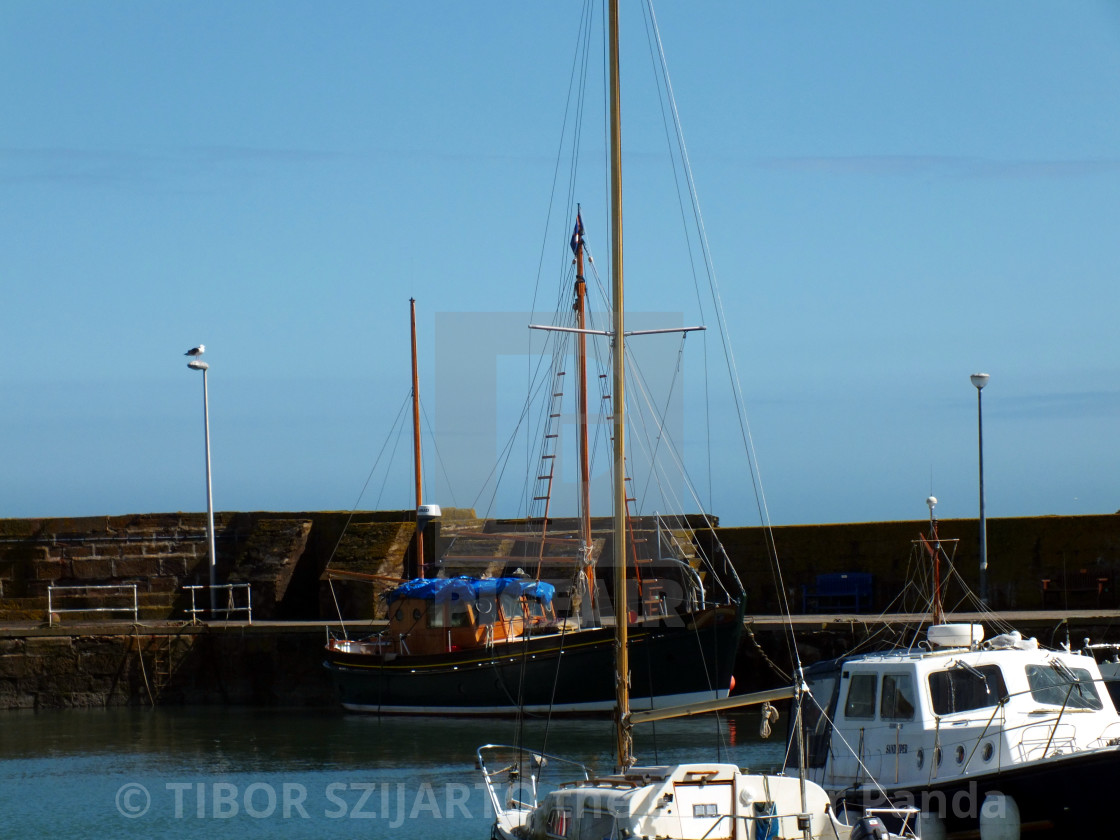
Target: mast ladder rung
(544,478)
(552,436)
(540,498)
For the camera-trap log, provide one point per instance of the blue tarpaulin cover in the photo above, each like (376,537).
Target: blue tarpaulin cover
(471,588)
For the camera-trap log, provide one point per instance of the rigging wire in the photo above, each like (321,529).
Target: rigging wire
(439,455)
(372,471)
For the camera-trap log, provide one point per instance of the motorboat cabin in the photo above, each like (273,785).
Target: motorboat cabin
(963,717)
(714,801)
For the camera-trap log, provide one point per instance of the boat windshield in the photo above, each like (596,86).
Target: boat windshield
(1063,686)
(963,687)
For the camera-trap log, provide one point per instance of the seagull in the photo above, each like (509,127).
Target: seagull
(196,351)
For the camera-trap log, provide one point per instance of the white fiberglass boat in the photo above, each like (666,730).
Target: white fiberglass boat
(995,738)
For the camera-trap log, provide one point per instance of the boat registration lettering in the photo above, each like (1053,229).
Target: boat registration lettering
(897,749)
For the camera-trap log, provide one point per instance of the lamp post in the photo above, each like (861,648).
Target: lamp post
(197,364)
(980,380)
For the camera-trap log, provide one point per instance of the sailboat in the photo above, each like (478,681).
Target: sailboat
(997,737)
(681,801)
(496,644)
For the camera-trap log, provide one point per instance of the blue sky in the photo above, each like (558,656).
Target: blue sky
(897,194)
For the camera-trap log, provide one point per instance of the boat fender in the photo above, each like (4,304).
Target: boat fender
(999,817)
(931,826)
(769,717)
(869,828)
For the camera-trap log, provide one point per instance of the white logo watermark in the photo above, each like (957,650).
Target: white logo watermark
(393,802)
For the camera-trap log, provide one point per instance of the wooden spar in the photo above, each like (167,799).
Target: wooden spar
(624,740)
(416,445)
(584,456)
(342,574)
(706,706)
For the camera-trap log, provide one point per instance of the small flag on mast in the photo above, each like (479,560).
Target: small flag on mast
(577,234)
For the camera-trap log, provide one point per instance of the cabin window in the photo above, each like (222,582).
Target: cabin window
(897,702)
(460,613)
(436,616)
(960,689)
(511,606)
(861,696)
(817,711)
(595,826)
(1071,687)
(559,821)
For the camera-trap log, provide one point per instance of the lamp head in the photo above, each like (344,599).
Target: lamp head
(195,364)
(979,380)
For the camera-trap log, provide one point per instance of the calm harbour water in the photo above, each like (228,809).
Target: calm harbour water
(218,773)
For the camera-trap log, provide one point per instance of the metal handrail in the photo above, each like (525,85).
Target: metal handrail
(122,588)
(195,610)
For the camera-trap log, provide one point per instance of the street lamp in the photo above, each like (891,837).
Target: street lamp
(196,363)
(980,380)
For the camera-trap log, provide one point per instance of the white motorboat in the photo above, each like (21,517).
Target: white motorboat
(996,738)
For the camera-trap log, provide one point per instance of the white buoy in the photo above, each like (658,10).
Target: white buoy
(999,817)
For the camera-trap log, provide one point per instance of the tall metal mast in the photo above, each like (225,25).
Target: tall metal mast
(625,743)
(416,445)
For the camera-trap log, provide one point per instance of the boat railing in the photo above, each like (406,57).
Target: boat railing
(231,601)
(1110,737)
(95,594)
(903,821)
(1042,739)
(516,778)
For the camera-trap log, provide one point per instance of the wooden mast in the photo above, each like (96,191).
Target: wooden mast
(416,445)
(621,611)
(584,449)
(935,552)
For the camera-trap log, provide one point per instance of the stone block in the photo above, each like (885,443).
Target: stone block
(13,696)
(93,569)
(40,643)
(14,665)
(163,584)
(49,569)
(174,565)
(136,567)
(100,664)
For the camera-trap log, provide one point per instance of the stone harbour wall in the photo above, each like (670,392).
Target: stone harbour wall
(184,666)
